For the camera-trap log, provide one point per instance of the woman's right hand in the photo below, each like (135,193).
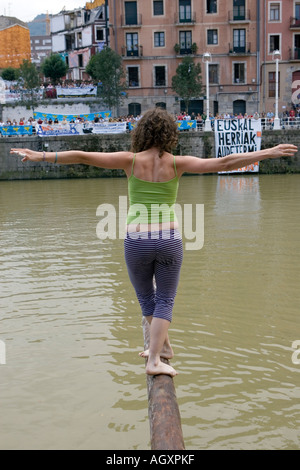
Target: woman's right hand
(28,154)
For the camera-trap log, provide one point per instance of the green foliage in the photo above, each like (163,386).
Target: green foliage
(187,83)
(28,75)
(54,67)
(106,68)
(9,74)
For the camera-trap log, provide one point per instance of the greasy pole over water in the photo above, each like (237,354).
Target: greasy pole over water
(163,411)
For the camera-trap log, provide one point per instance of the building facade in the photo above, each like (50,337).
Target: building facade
(76,36)
(14,42)
(154,35)
(281,32)
(41,47)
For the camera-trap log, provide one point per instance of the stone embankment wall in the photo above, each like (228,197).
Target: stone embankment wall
(190,143)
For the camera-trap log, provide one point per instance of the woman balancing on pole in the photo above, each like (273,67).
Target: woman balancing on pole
(153,245)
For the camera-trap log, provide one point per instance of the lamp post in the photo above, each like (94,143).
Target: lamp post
(276,56)
(207,59)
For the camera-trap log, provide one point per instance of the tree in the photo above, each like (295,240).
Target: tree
(106,67)
(29,79)
(10,74)
(187,83)
(54,67)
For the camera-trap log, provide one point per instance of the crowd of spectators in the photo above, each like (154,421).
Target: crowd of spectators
(289,118)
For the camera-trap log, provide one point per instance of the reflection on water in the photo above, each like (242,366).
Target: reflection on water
(72,327)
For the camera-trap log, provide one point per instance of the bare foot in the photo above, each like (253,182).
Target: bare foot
(167,353)
(160,368)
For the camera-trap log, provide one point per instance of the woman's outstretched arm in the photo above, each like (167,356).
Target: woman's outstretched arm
(111,160)
(232,162)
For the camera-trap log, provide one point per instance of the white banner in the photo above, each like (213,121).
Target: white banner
(109,127)
(79,92)
(46,130)
(238,136)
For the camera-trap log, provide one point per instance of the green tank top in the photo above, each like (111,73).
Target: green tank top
(150,201)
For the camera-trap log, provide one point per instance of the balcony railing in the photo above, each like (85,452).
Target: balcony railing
(294,22)
(239,15)
(134,51)
(185,18)
(295,53)
(240,49)
(131,22)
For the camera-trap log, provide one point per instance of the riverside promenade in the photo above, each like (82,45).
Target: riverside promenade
(190,143)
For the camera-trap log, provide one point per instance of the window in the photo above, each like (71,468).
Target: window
(130,13)
(185,11)
(160,75)
(239,40)
(134,109)
(274,43)
(238,10)
(272,84)
(296,47)
(239,73)
(211,6)
(80,60)
(133,76)
(158,7)
(213,73)
(159,39)
(297,11)
(274,14)
(99,34)
(132,47)
(185,40)
(212,36)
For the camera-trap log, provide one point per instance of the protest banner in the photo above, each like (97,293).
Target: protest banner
(46,130)
(186,125)
(76,92)
(71,117)
(16,130)
(109,127)
(238,136)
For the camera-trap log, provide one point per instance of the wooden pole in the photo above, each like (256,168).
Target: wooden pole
(163,410)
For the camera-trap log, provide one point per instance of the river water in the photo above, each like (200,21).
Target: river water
(71,329)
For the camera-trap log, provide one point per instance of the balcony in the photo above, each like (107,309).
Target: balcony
(240,49)
(134,21)
(239,15)
(185,18)
(132,52)
(294,23)
(295,53)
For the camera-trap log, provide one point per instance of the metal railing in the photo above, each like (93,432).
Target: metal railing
(135,51)
(184,18)
(239,14)
(240,49)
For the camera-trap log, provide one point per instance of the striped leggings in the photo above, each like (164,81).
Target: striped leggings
(154,256)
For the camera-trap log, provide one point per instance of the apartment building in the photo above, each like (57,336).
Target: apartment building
(77,35)
(154,35)
(14,42)
(41,47)
(280,31)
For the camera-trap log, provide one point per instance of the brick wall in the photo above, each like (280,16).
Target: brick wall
(14,46)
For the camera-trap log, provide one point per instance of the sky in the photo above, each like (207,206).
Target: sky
(28,10)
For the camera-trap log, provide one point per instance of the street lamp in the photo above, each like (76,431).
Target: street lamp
(207,59)
(276,56)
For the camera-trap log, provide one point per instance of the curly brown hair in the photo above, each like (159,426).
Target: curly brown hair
(157,128)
